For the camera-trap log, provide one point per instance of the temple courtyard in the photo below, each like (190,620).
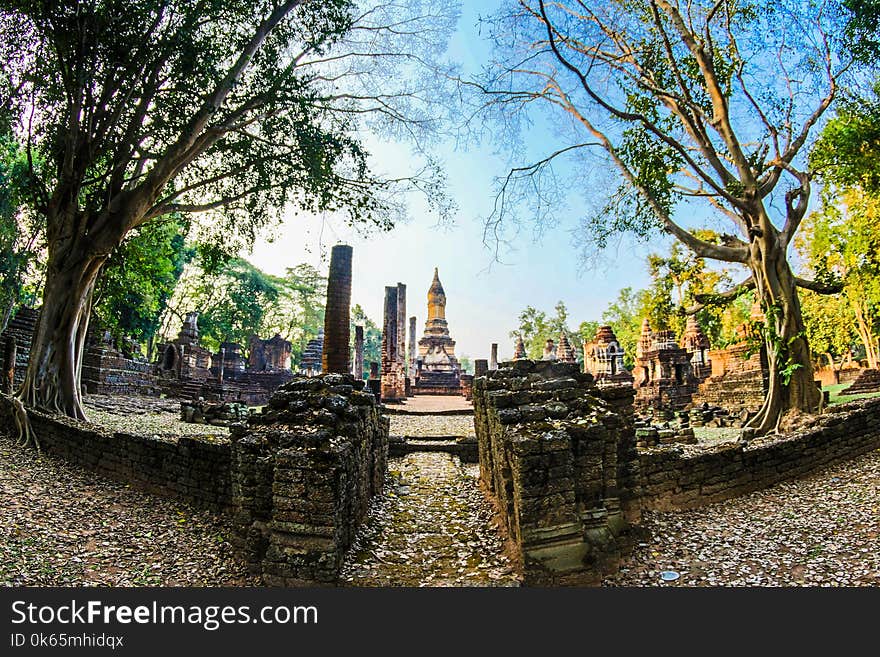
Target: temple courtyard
(432,525)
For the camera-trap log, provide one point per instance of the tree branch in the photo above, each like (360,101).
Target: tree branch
(720,298)
(820,288)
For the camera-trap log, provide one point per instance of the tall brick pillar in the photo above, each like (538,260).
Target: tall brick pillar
(412,347)
(359,352)
(337,331)
(390,370)
(493,358)
(401,330)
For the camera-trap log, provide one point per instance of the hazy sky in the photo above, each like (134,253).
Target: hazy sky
(484,297)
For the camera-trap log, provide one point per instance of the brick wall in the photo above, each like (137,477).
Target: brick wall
(187,468)
(672,479)
(297,479)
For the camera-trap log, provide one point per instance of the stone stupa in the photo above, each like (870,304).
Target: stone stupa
(438,370)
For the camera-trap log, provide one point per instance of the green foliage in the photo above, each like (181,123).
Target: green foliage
(862,32)
(587,330)
(240,301)
(467,365)
(535,328)
(141,74)
(829,325)
(842,242)
(139,279)
(677,280)
(847,151)
(21,232)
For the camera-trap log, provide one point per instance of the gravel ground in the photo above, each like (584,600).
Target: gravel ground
(822,530)
(432,425)
(62,526)
(431,527)
(146,416)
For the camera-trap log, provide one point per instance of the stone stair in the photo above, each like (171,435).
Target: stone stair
(465,447)
(868,381)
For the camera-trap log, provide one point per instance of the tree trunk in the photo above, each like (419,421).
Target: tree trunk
(865,334)
(791,384)
(52,379)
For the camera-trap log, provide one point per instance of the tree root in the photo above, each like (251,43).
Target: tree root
(18,412)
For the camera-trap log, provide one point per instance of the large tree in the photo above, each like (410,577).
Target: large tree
(704,107)
(144,108)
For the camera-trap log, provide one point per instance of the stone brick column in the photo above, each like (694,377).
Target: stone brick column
(390,370)
(304,472)
(481,366)
(557,454)
(411,372)
(337,331)
(493,358)
(401,329)
(359,352)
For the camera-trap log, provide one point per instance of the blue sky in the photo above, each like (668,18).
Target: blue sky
(484,297)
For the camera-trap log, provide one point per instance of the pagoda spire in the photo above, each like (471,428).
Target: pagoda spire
(436,298)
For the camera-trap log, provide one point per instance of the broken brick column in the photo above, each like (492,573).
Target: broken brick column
(481,367)
(359,352)
(493,358)
(303,474)
(337,327)
(391,388)
(559,459)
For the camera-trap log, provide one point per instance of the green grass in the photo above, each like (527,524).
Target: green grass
(837,398)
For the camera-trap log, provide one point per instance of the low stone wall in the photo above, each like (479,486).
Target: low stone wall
(187,468)
(550,451)
(675,479)
(106,371)
(304,473)
(297,479)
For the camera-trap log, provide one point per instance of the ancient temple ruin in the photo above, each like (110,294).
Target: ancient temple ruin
(696,343)
(564,350)
(437,369)
(663,373)
(184,357)
(603,358)
(393,380)
(739,373)
(272,355)
(310,358)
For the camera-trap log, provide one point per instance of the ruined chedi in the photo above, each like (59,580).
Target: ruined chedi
(439,371)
